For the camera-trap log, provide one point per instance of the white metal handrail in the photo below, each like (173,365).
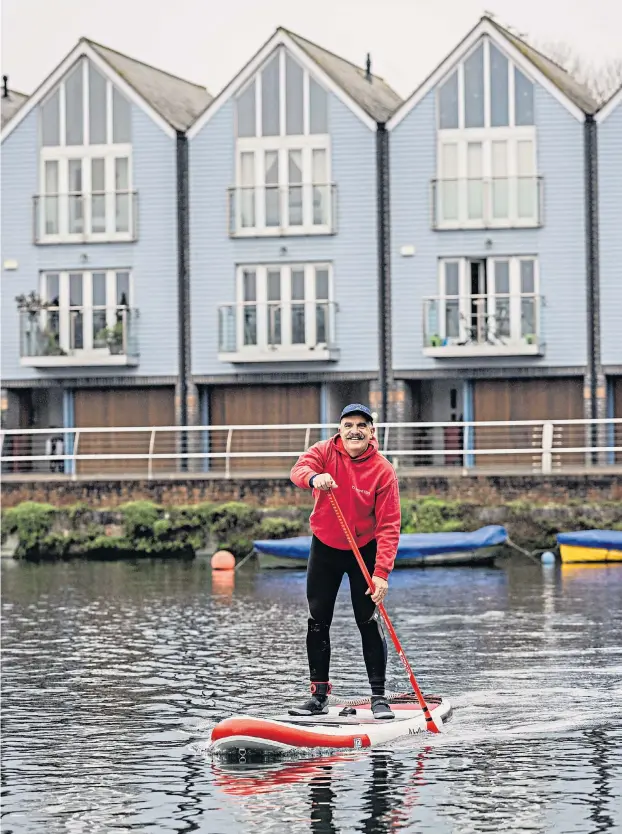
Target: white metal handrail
(535,445)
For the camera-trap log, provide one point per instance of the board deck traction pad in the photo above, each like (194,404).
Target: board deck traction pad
(356,726)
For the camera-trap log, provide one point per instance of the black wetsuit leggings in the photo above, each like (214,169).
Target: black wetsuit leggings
(325,571)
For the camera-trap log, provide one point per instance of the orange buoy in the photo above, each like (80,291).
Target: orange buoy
(223,560)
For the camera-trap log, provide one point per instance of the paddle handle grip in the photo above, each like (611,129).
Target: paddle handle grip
(431,726)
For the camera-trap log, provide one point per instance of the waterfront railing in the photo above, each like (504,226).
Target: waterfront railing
(506,447)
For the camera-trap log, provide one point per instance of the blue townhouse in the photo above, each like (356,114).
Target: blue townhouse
(490,242)
(609,149)
(286,238)
(93,249)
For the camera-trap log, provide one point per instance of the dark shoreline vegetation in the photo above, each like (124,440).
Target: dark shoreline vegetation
(139,529)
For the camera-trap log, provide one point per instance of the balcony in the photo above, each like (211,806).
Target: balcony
(86,218)
(499,203)
(57,337)
(274,332)
(274,210)
(456,327)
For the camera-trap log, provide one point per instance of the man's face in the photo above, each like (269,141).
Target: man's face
(355,433)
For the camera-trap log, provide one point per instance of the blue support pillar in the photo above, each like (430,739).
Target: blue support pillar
(204,416)
(68,423)
(469,438)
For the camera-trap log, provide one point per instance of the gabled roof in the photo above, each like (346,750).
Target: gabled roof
(11,104)
(566,83)
(566,89)
(610,105)
(172,102)
(176,100)
(373,95)
(370,98)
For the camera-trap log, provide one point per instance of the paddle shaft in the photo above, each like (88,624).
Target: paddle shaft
(383,613)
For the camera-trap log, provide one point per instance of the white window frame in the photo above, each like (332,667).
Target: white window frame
(487,90)
(516,296)
(262,308)
(64,308)
(282,143)
(85,153)
(462,138)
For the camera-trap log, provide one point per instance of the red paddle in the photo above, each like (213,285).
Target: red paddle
(430,725)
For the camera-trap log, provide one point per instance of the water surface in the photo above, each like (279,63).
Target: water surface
(115,673)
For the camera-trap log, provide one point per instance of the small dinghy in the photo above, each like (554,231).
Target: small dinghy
(414,549)
(349,724)
(590,546)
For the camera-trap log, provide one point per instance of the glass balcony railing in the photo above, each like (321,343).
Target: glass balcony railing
(479,324)
(500,202)
(300,209)
(56,335)
(304,330)
(93,217)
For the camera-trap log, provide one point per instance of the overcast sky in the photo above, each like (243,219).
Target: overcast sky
(208,41)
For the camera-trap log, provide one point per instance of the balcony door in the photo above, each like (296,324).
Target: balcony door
(284,308)
(490,301)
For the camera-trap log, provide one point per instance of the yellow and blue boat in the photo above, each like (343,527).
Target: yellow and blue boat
(590,546)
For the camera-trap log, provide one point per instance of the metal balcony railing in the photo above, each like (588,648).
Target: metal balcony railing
(495,323)
(79,332)
(530,446)
(497,202)
(97,217)
(297,209)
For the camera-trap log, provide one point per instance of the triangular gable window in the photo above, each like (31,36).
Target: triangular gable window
(283,99)
(85,109)
(485,90)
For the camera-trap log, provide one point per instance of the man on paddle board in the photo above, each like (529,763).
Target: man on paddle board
(368,493)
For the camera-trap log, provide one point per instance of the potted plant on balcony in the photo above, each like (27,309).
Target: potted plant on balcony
(51,343)
(31,303)
(113,336)
(46,337)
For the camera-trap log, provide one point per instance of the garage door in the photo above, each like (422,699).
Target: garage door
(257,405)
(527,399)
(95,408)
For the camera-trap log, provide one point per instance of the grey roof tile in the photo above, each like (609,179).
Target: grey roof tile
(577,93)
(179,102)
(11,104)
(374,96)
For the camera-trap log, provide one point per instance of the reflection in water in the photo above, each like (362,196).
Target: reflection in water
(602,796)
(391,788)
(114,674)
(322,798)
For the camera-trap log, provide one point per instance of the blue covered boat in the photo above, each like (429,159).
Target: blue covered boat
(414,550)
(591,546)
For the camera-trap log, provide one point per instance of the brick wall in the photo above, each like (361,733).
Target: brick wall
(280,492)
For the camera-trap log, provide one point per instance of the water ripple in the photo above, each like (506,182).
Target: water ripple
(115,674)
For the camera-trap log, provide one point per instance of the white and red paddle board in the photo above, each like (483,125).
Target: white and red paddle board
(344,727)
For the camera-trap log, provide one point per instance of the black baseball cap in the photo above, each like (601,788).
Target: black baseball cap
(357,408)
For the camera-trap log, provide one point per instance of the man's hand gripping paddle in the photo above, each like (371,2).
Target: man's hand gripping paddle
(430,723)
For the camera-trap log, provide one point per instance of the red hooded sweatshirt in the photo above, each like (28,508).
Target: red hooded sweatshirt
(368,494)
